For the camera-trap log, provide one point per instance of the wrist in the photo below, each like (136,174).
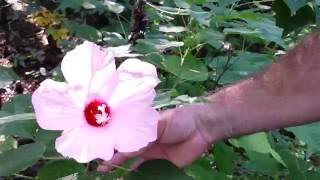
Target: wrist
(213,123)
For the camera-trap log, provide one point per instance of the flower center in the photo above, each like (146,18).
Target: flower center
(97,113)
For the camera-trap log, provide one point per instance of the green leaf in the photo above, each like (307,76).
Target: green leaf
(48,138)
(61,168)
(240,67)
(212,37)
(262,162)
(224,157)
(19,104)
(92,175)
(84,31)
(309,134)
(258,27)
(7,76)
(267,30)
(19,159)
(72,4)
(297,166)
(202,170)
(114,7)
(256,143)
(203,17)
(155,45)
(189,68)
(7,143)
(16,117)
(25,129)
(225,3)
(158,170)
(295,5)
(316,7)
(285,20)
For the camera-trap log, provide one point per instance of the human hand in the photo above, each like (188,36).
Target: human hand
(180,139)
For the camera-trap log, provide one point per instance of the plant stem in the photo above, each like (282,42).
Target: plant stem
(23,176)
(183,11)
(53,158)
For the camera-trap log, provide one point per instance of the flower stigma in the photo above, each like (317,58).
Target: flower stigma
(97,113)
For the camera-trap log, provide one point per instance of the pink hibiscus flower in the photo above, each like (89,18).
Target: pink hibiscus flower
(100,109)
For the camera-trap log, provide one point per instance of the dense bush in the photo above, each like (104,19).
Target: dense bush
(198,46)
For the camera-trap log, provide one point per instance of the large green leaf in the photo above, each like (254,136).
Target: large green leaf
(91,175)
(225,3)
(25,129)
(256,143)
(212,37)
(224,157)
(298,168)
(60,168)
(6,76)
(48,138)
(189,68)
(7,143)
(19,159)
(289,22)
(240,67)
(16,117)
(155,45)
(258,27)
(310,134)
(19,104)
(114,6)
(158,170)
(262,162)
(295,5)
(202,170)
(72,4)
(83,30)
(267,30)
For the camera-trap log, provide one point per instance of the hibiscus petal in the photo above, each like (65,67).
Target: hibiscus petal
(57,106)
(136,80)
(86,144)
(134,126)
(88,66)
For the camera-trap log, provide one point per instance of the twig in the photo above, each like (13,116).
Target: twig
(139,21)
(252,2)
(183,12)
(23,176)
(225,69)
(118,167)
(123,30)
(53,158)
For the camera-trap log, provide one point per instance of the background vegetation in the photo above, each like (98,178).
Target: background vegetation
(198,47)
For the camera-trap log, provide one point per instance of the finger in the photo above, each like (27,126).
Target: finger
(186,152)
(157,151)
(117,160)
(176,125)
(137,163)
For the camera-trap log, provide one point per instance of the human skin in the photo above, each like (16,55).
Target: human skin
(285,94)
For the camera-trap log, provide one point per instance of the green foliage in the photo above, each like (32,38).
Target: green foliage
(6,76)
(60,168)
(158,170)
(197,46)
(310,135)
(295,5)
(19,159)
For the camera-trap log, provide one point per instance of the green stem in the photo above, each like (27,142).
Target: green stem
(23,176)
(53,158)
(182,12)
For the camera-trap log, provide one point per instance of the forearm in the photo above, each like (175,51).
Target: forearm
(286,94)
